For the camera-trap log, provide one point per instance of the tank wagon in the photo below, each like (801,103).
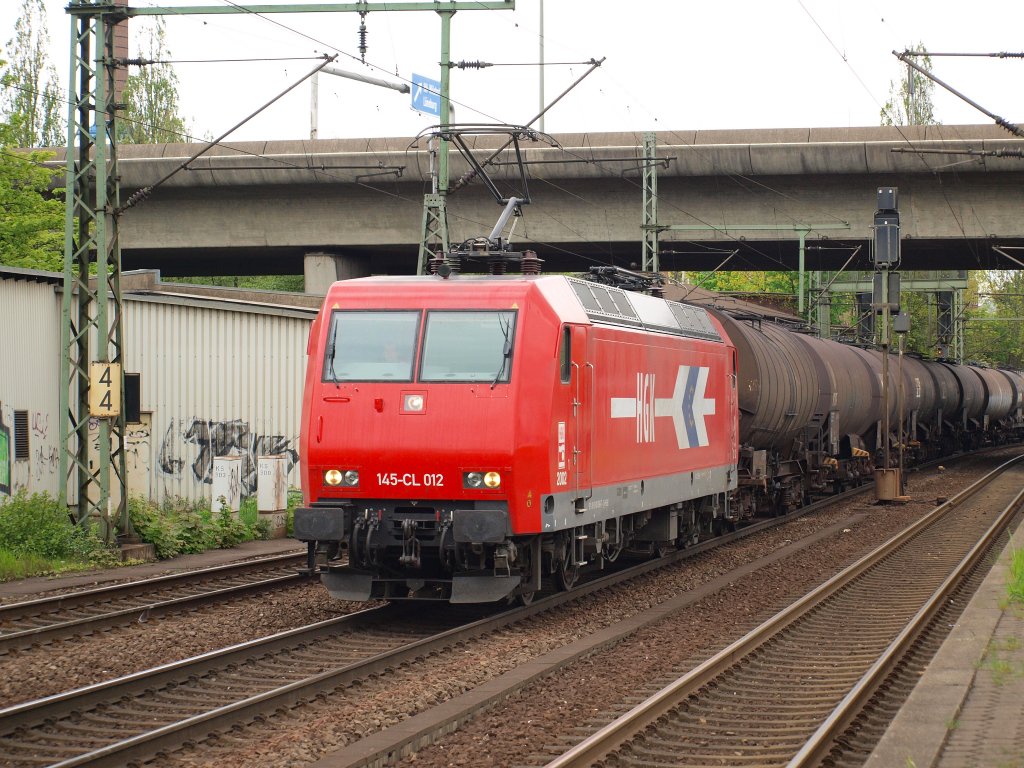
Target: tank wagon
(464,437)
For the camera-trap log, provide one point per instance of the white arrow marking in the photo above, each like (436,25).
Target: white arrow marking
(688,406)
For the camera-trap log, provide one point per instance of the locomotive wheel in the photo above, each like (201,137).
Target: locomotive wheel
(522,598)
(567,575)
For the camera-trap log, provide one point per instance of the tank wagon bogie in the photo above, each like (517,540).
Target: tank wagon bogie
(466,439)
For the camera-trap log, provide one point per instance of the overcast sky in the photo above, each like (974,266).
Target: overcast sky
(671,64)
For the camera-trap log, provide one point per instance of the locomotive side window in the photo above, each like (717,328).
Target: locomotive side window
(371,346)
(565,355)
(468,346)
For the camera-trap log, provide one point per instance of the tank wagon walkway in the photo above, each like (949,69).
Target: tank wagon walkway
(967,711)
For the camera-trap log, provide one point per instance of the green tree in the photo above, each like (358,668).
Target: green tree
(31,216)
(778,288)
(153,110)
(910,102)
(31,100)
(995,332)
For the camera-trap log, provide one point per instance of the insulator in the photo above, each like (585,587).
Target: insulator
(137,197)
(530,264)
(136,62)
(497,264)
(362,39)
(435,262)
(454,262)
(464,180)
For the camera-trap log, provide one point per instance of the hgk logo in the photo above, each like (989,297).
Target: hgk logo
(688,406)
(644,407)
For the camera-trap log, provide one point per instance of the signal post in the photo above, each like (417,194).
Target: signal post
(884,300)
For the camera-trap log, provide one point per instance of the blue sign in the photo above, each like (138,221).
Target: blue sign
(426,95)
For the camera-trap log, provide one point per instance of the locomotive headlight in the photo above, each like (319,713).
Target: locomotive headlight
(347,477)
(490,480)
(412,403)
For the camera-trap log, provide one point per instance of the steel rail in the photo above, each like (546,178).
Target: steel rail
(633,722)
(124,589)
(168,737)
(102,599)
(822,740)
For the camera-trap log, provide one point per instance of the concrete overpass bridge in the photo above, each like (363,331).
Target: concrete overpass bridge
(354,207)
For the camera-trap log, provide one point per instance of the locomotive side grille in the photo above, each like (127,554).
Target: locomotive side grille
(693,321)
(607,304)
(604,303)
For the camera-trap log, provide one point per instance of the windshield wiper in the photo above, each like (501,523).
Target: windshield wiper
(506,350)
(330,358)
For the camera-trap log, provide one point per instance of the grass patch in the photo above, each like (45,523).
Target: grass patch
(1015,589)
(14,566)
(1001,659)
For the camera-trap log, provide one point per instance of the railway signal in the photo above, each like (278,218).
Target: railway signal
(885,298)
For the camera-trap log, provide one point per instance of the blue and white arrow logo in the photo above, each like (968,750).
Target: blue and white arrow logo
(688,406)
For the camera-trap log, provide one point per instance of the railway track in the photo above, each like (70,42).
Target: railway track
(144,714)
(141,715)
(34,622)
(784,693)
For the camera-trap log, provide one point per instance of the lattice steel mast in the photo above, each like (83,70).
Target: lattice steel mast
(91,334)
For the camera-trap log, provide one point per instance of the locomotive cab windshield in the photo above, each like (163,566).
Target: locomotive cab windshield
(457,346)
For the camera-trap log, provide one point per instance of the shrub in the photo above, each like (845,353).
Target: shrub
(38,535)
(151,527)
(178,526)
(294,500)
(37,525)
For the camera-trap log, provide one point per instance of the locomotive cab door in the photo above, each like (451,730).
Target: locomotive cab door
(582,382)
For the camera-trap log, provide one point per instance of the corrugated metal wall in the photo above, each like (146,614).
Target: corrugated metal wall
(29,376)
(216,378)
(214,382)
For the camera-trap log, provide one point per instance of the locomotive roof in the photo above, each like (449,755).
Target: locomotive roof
(573,299)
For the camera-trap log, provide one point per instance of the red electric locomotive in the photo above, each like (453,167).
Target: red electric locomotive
(464,436)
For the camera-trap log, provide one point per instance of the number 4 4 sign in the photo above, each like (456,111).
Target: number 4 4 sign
(104,390)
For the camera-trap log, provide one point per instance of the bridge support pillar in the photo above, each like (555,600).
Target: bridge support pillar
(320,269)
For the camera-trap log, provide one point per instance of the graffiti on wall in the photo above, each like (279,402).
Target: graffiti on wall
(40,425)
(39,465)
(45,457)
(45,461)
(219,438)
